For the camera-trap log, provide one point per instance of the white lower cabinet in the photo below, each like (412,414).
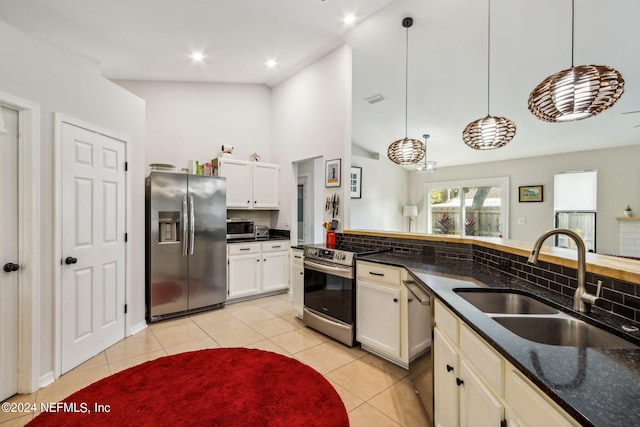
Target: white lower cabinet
(528,406)
(445,370)
(243,271)
(255,268)
(275,271)
(297,280)
(382,314)
(378,317)
(476,386)
(478,404)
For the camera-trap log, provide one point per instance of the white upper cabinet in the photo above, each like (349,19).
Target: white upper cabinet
(250,185)
(266,186)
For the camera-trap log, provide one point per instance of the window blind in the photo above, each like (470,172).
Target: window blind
(575,191)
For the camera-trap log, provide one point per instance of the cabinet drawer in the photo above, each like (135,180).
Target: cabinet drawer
(243,248)
(379,273)
(484,360)
(279,246)
(446,322)
(297,258)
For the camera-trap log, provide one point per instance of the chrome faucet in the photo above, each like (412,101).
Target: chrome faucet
(582,300)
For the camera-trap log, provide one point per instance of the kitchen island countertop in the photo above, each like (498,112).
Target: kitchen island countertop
(596,386)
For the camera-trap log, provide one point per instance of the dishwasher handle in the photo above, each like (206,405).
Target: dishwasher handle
(417,292)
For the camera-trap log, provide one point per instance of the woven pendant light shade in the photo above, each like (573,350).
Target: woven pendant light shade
(489,133)
(406,151)
(576,93)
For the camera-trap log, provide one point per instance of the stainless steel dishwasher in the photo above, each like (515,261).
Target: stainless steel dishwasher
(421,368)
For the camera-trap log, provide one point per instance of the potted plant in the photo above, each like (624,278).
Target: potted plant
(627,211)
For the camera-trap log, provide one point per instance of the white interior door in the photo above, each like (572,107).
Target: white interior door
(8,252)
(93,244)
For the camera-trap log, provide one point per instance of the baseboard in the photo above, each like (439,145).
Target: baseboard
(141,326)
(47,379)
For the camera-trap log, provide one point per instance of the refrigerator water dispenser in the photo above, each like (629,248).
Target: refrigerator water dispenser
(169,227)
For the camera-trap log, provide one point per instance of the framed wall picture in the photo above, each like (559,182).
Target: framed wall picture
(332,173)
(356,182)
(531,193)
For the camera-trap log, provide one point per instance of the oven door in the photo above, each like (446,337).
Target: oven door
(329,290)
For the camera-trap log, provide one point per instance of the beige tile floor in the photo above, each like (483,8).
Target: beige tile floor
(374,391)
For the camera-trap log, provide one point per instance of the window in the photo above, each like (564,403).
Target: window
(468,208)
(574,205)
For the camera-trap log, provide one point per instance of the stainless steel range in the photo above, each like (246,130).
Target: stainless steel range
(329,291)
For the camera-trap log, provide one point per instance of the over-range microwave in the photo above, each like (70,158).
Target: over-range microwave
(240,229)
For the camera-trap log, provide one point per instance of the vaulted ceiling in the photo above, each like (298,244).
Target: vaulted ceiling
(448,82)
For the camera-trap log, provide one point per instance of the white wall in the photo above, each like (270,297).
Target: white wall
(62,82)
(384,193)
(618,186)
(311,117)
(188,120)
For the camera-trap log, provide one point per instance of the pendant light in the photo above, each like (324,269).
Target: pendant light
(489,132)
(576,93)
(427,166)
(406,151)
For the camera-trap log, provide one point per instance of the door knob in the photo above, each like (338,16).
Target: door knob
(70,260)
(9,267)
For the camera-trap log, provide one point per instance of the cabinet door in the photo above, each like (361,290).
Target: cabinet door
(275,271)
(244,275)
(238,174)
(297,289)
(266,186)
(378,317)
(478,405)
(529,406)
(445,372)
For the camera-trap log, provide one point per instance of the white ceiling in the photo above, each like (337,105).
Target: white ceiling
(152,40)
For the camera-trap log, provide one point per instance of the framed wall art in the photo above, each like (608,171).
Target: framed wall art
(356,182)
(332,173)
(530,193)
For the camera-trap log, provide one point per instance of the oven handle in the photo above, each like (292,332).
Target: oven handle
(346,272)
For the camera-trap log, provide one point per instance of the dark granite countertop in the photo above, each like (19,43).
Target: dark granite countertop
(270,239)
(596,386)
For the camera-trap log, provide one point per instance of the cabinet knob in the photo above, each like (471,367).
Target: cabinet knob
(10,267)
(459,381)
(395,300)
(449,368)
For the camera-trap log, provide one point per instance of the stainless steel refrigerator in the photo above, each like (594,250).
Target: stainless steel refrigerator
(186,268)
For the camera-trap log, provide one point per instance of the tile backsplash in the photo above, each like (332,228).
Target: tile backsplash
(619,297)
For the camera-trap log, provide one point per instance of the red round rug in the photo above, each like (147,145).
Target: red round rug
(217,387)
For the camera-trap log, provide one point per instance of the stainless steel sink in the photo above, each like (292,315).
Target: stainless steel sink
(504,302)
(562,331)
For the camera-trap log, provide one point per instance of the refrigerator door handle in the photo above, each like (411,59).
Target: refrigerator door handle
(184,225)
(192,225)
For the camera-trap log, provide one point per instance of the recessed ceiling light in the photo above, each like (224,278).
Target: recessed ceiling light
(271,63)
(349,19)
(197,56)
